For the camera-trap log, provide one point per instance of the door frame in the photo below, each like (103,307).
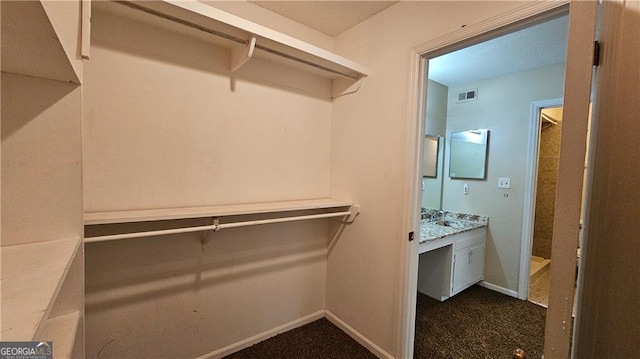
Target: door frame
(528,14)
(530,191)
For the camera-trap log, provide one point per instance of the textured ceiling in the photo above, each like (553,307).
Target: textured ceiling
(328,17)
(530,48)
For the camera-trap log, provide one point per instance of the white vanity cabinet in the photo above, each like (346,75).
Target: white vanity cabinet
(468,261)
(454,263)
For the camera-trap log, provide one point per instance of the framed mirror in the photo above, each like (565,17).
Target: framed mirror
(468,154)
(430,156)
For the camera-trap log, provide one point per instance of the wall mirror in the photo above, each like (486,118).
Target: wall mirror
(468,154)
(433,170)
(430,156)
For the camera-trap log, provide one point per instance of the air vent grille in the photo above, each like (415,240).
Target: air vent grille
(467,95)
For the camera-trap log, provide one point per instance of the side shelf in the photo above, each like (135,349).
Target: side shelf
(30,44)
(32,276)
(63,332)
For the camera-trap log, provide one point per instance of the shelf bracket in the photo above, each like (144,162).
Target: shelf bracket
(240,55)
(85,45)
(215,227)
(354,211)
(341,86)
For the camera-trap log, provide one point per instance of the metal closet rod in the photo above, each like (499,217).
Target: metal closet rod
(213,227)
(233,38)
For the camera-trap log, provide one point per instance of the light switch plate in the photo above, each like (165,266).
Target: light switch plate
(504,182)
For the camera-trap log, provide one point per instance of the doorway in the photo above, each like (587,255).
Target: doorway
(487,86)
(548,121)
(585,17)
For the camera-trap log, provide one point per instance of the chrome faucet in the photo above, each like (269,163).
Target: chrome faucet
(436,215)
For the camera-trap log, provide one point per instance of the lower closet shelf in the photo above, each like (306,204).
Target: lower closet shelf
(32,275)
(62,331)
(263,213)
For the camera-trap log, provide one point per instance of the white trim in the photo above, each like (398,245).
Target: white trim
(235,347)
(364,341)
(497,25)
(530,189)
(527,14)
(408,278)
(499,289)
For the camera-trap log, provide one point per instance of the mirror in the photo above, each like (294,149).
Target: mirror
(430,156)
(432,173)
(468,154)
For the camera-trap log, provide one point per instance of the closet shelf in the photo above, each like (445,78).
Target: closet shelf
(62,331)
(30,44)
(246,39)
(93,218)
(327,208)
(32,275)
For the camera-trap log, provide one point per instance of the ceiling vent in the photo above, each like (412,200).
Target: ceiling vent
(467,95)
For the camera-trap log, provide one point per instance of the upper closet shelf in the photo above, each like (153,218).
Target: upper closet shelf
(246,39)
(32,275)
(31,45)
(93,218)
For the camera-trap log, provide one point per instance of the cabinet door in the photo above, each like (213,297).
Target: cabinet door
(468,268)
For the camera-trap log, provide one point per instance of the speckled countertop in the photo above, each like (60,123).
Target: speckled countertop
(450,223)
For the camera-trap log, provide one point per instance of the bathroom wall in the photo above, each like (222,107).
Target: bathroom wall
(503,106)
(436,123)
(167,125)
(370,151)
(546,185)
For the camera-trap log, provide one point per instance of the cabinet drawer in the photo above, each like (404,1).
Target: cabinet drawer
(471,238)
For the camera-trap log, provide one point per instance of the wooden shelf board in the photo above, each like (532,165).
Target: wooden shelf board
(32,275)
(62,331)
(93,218)
(207,17)
(30,45)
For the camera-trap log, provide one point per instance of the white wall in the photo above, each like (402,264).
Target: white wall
(41,160)
(503,107)
(166,125)
(435,124)
(436,111)
(369,152)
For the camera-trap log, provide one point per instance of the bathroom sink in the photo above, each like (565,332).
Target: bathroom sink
(452,224)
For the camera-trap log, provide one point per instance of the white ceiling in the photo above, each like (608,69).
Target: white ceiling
(328,17)
(533,47)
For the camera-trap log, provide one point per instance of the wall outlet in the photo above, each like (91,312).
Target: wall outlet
(465,189)
(504,182)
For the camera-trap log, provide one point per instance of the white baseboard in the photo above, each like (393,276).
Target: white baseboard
(263,336)
(376,350)
(499,289)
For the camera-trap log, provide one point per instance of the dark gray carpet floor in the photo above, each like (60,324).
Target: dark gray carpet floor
(477,323)
(317,340)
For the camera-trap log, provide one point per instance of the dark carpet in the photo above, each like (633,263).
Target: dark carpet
(317,340)
(477,323)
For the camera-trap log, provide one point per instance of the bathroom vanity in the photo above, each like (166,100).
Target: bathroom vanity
(451,254)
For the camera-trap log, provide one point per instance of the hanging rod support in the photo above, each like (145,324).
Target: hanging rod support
(347,216)
(240,55)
